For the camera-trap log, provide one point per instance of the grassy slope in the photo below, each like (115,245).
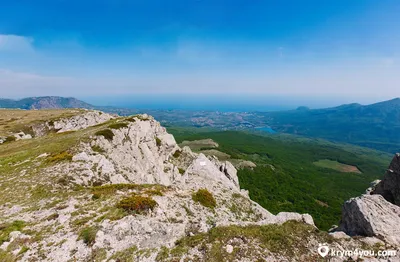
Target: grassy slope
(15,120)
(286,179)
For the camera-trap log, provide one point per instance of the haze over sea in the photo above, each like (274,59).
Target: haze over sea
(221,102)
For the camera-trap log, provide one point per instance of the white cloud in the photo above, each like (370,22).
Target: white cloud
(14,43)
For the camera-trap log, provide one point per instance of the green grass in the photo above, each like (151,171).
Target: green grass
(6,256)
(205,198)
(274,238)
(110,190)
(6,229)
(88,235)
(118,125)
(286,178)
(106,133)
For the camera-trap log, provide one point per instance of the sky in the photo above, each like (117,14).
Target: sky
(344,51)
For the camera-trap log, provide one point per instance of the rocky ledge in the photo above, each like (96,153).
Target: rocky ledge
(377,212)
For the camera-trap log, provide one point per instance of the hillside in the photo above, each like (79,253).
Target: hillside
(288,176)
(376,126)
(45,102)
(89,186)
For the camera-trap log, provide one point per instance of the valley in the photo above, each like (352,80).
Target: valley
(285,177)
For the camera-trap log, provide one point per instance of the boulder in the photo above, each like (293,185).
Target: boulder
(371,216)
(389,187)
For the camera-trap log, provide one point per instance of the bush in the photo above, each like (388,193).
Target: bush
(98,149)
(118,125)
(205,198)
(177,154)
(106,133)
(88,235)
(137,204)
(10,139)
(60,157)
(181,171)
(158,142)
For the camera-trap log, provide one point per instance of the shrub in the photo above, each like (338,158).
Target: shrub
(205,198)
(137,204)
(60,157)
(177,154)
(108,190)
(88,235)
(98,149)
(118,125)
(106,133)
(52,216)
(181,171)
(10,139)
(158,142)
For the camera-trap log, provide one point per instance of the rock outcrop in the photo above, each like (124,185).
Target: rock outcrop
(389,187)
(377,212)
(81,121)
(372,216)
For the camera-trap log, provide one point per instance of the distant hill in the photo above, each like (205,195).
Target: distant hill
(45,102)
(376,126)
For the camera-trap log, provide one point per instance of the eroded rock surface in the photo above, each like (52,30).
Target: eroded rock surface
(377,212)
(371,215)
(81,121)
(389,187)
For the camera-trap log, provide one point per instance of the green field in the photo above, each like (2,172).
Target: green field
(286,177)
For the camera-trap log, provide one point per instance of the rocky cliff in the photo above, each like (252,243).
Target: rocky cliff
(377,212)
(95,187)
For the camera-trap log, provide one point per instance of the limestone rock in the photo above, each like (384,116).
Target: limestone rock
(202,166)
(22,136)
(371,215)
(132,156)
(389,187)
(227,168)
(82,121)
(283,217)
(339,235)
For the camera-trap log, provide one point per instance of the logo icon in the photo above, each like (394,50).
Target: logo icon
(323,249)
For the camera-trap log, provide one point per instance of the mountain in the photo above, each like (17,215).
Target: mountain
(375,126)
(89,186)
(45,102)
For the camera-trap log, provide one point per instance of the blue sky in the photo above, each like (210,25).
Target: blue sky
(344,50)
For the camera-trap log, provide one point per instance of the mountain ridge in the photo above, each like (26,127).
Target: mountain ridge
(375,126)
(44,102)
